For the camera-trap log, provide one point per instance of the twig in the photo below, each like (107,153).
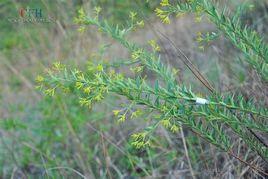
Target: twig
(186,153)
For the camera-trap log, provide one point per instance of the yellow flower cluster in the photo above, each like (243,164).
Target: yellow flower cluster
(85,102)
(80,76)
(122,118)
(50,92)
(116,112)
(154,45)
(97,94)
(136,114)
(140,144)
(132,15)
(167,124)
(164,3)
(58,66)
(175,71)
(140,23)
(136,54)
(97,10)
(99,67)
(81,29)
(140,140)
(138,136)
(81,16)
(98,97)
(87,90)
(79,85)
(163,15)
(199,11)
(137,69)
(39,79)
(199,37)
(164,109)
(174,128)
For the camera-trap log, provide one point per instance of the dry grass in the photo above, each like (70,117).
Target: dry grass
(60,41)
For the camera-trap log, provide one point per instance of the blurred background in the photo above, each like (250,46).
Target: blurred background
(44,137)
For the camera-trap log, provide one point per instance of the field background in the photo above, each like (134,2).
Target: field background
(44,137)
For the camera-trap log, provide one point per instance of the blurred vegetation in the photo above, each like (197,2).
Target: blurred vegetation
(56,137)
(55,132)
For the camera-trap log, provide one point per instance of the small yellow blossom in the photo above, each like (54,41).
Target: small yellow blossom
(81,12)
(122,118)
(164,15)
(164,109)
(174,128)
(140,144)
(154,45)
(166,123)
(116,112)
(84,102)
(39,79)
(81,16)
(164,3)
(78,85)
(138,136)
(81,76)
(199,9)
(99,97)
(139,140)
(132,15)
(81,29)
(58,66)
(50,92)
(175,71)
(140,23)
(136,54)
(166,20)
(38,87)
(137,69)
(159,12)
(136,114)
(199,37)
(87,90)
(97,10)
(99,67)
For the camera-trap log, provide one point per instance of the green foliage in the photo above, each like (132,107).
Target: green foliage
(79,128)
(172,104)
(12,124)
(117,10)
(245,39)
